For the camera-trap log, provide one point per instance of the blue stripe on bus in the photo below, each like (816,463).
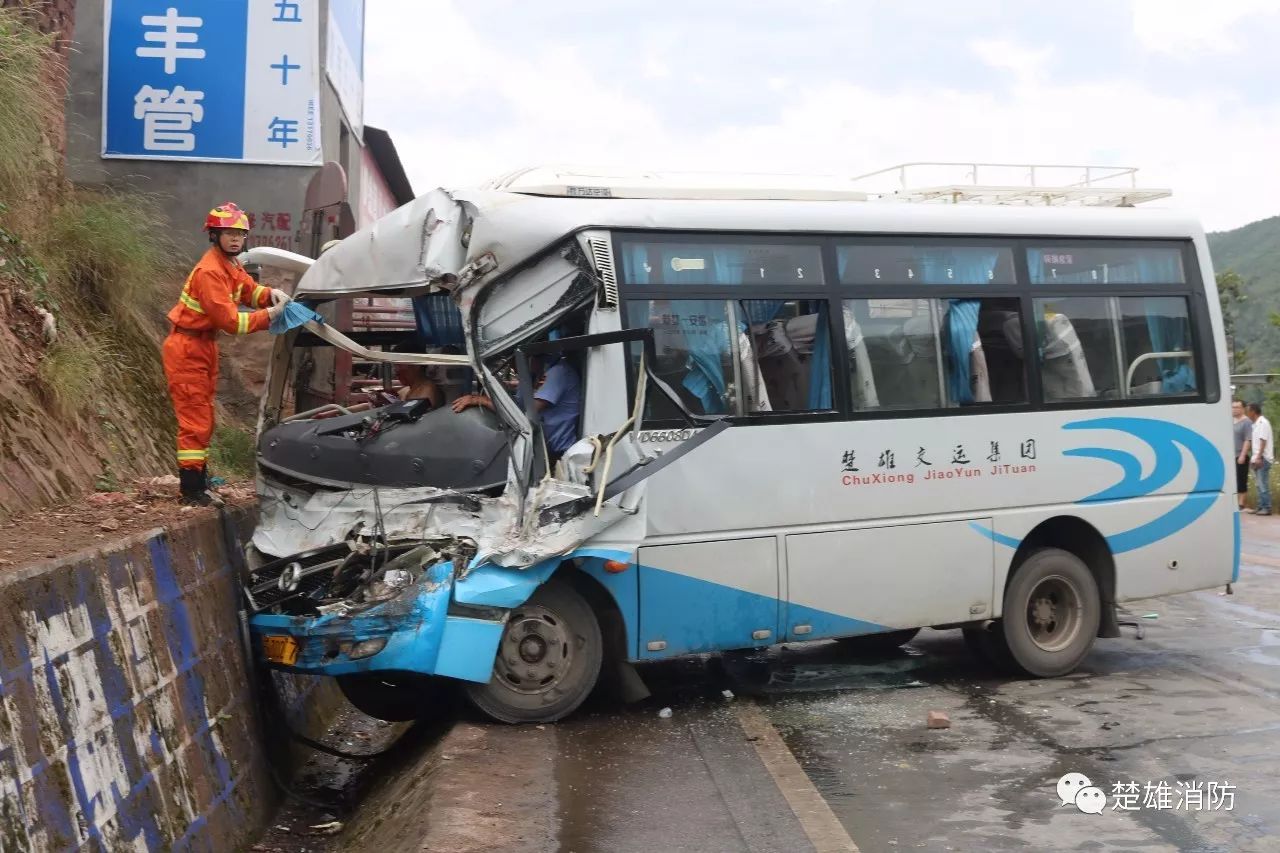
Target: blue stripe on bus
(694,615)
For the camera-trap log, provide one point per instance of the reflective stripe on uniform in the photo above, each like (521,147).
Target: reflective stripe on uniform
(192,455)
(239,293)
(242,323)
(191,302)
(257,292)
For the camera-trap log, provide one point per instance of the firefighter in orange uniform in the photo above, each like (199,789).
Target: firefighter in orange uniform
(208,304)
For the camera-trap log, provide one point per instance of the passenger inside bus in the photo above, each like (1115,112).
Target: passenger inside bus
(557,396)
(417,380)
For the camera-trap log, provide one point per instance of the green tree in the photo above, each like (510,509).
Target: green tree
(1231,292)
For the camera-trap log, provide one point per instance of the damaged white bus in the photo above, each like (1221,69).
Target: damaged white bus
(805,415)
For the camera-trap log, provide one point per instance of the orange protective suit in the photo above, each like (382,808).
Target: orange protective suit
(208,303)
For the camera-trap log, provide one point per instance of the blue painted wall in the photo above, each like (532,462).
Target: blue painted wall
(125,713)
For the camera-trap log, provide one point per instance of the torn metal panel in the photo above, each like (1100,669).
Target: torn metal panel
(417,245)
(513,309)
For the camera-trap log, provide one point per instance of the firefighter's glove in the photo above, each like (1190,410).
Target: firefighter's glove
(279,297)
(277,309)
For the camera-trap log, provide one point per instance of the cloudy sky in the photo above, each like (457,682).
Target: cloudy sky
(1188,90)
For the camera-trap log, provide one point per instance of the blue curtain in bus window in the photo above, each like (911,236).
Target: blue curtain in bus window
(635,262)
(1167,325)
(962,325)
(956,265)
(761,310)
(820,364)
(1037,275)
(1148,266)
(1113,265)
(707,337)
(684,263)
(438,320)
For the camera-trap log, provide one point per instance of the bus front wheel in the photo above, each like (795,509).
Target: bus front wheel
(548,659)
(1051,614)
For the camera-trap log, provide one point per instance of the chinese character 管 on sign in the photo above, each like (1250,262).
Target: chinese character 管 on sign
(167,117)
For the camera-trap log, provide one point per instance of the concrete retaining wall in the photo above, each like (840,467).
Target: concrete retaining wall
(126,720)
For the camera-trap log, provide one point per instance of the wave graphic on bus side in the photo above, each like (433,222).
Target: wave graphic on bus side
(1164,439)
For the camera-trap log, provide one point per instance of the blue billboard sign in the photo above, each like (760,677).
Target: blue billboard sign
(236,81)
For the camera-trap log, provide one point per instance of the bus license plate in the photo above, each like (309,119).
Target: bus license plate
(280,649)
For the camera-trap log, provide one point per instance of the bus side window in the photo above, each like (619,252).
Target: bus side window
(1076,338)
(787,367)
(901,343)
(736,357)
(693,355)
(1155,338)
(923,352)
(1107,347)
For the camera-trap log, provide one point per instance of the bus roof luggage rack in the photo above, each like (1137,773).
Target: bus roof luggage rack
(1009,183)
(568,182)
(946,183)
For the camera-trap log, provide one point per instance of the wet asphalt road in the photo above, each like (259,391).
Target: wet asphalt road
(1197,701)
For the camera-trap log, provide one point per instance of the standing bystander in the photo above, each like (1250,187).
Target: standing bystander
(1242,428)
(1263,455)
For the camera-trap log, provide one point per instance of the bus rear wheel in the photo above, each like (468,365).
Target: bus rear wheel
(1051,614)
(548,659)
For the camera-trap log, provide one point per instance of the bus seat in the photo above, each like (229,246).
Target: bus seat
(782,365)
(864,380)
(1064,372)
(904,363)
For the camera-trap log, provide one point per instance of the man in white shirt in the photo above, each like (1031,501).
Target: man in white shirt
(1263,455)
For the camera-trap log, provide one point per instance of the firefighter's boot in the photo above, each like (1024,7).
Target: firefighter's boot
(212,498)
(191,482)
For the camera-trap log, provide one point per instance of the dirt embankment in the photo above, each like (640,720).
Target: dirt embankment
(85,281)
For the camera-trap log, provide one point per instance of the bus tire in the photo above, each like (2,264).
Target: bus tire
(548,659)
(878,645)
(1051,613)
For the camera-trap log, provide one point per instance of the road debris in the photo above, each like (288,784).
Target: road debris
(109,524)
(106,498)
(938,720)
(333,827)
(727,694)
(665,714)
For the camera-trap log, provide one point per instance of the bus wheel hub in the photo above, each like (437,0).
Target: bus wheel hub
(536,650)
(533,648)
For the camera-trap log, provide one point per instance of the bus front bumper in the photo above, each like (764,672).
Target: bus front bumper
(412,632)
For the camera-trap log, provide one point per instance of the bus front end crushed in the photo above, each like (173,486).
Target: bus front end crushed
(398,594)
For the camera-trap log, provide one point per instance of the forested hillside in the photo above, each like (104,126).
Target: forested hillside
(1253,251)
